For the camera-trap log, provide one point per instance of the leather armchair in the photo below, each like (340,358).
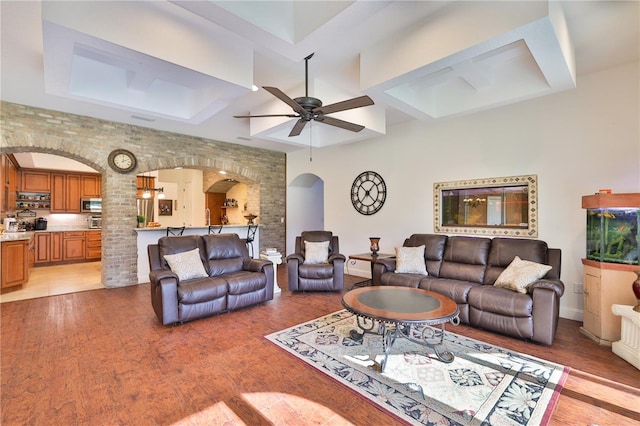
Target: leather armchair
(316,277)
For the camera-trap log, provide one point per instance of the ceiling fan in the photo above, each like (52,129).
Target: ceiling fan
(307,108)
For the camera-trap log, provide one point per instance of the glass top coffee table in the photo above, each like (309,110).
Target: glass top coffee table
(392,312)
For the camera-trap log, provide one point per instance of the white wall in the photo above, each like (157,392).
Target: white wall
(185,186)
(576,142)
(305,207)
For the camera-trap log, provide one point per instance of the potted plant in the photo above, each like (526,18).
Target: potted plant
(140,221)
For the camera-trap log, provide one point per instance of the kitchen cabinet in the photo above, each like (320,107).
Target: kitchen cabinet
(66,247)
(35,181)
(16,260)
(94,245)
(43,247)
(65,193)
(145,182)
(9,187)
(91,186)
(73,245)
(55,254)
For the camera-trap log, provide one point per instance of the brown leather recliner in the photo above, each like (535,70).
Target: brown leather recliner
(232,279)
(327,276)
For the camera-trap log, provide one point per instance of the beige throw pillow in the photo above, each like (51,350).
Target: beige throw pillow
(186,265)
(410,260)
(520,273)
(316,253)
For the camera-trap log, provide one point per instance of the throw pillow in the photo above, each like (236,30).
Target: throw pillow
(520,273)
(316,253)
(410,260)
(186,265)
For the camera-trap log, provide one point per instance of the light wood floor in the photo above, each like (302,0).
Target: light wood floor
(53,280)
(100,357)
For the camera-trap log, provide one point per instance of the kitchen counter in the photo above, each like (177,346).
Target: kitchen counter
(148,236)
(16,236)
(25,235)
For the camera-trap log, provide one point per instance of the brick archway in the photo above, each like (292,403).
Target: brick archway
(89,141)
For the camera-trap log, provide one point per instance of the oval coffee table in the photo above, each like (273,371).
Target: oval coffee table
(391,312)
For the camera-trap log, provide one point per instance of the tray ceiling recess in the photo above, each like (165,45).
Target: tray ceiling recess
(460,58)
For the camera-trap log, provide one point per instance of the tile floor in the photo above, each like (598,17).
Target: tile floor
(59,279)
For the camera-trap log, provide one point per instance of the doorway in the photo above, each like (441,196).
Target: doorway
(305,207)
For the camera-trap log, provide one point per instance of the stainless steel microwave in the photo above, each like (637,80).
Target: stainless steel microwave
(91,205)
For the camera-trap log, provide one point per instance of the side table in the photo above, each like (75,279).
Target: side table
(367,257)
(628,347)
(276,259)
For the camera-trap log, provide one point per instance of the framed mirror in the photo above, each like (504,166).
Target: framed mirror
(502,206)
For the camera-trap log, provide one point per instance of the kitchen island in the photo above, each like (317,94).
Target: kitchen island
(148,236)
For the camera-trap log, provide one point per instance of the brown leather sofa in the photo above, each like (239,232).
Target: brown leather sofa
(465,269)
(328,276)
(233,280)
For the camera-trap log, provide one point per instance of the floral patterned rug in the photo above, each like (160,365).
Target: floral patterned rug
(484,385)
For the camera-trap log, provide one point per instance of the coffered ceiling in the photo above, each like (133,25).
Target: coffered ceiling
(189,66)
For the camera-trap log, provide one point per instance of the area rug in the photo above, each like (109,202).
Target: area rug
(484,385)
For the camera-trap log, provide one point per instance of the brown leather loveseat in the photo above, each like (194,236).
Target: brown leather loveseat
(466,269)
(226,278)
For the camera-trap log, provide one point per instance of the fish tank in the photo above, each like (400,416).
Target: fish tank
(613,234)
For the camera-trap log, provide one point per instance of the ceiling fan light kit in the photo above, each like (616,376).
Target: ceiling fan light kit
(308,108)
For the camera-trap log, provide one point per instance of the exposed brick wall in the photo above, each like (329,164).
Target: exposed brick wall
(89,141)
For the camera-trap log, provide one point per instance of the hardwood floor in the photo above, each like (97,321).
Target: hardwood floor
(100,357)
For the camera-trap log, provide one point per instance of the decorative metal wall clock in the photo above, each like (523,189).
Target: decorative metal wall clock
(368,193)
(122,161)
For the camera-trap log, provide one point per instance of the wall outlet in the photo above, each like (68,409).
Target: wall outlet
(578,288)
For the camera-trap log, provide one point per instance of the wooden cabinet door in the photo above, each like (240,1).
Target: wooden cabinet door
(4,200)
(73,246)
(73,194)
(43,247)
(12,196)
(15,263)
(65,193)
(91,186)
(35,181)
(58,193)
(56,247)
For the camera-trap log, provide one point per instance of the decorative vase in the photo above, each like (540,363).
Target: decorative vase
(374,245)
(636,290)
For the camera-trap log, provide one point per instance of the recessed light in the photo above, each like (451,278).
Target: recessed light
(222,172)
(254,88)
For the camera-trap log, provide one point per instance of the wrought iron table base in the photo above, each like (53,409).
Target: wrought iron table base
(390,331)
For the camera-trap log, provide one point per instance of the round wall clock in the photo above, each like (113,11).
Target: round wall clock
(368,193)
(122,161)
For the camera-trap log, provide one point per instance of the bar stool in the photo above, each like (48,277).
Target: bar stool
(215,229)
(251,234)
(174,231)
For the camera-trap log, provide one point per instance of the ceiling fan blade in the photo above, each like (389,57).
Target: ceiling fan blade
(297,129)
(284,98)
(267,115)
(340,123)
(344,105)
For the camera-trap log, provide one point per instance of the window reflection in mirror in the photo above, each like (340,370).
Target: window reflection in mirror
(492,206)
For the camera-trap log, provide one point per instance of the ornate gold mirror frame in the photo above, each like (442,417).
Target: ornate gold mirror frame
(502,206)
